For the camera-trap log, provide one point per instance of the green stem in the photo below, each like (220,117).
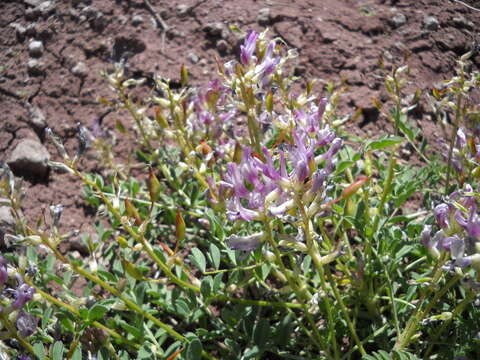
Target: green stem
(386,190)
(128,105)
(138,237)
(411,327)
(344,310)
(274,304)
(452,142)
(457,311)
(75,311)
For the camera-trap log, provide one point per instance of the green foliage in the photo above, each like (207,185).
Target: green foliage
(340,274)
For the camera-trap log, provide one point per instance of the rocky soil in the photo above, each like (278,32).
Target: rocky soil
(52,54)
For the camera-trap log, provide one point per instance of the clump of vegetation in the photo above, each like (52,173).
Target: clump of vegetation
(263,230)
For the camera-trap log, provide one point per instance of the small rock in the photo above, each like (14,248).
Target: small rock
(430,23)
(32,13)
(214,29)
(182,10)
(122,19)
(398,20)
(7,222)
(192,57)
(45,7)
(20,30)
(461,22)
(37,118)
(33,2)
(263,16)
(30,159)
(222,46)
(80,69)
(73,13)
(35,67)
(137,20)
(35,48)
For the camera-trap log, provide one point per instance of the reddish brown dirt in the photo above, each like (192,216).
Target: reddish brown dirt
(336,39)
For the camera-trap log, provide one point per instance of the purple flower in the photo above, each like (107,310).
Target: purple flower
(248,48)
(441,213)
(23,293)
(268,64)
(26,323)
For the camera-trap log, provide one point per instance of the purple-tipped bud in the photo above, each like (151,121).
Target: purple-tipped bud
(426,237)
(248,48)
(441,215)
(322,105)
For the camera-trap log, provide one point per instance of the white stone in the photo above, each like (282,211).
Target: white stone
(80,69)
(430,23)
(137,20)
(35,48)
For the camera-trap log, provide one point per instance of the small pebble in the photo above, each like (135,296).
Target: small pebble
(34,67)
(222,46)
(192,57)
(430,23)
(137,20)
(182,10)
(35,48)
(398,20)
(263,16)
(37,118)
(80,70)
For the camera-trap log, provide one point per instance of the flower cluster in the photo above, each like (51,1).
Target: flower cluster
(459,233)
(466,152)
(277,180)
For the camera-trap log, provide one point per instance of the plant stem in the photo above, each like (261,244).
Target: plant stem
(452,142)
(344,310)
(75,311)
(386,190)
(404,338)
(457,311)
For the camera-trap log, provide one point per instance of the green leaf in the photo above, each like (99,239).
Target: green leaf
(137,333)
(181,307)
(198,259)
(217,281)
(342,165)
(39,351)
(215,256)
(77,354)
(383,143)
(261,332)
(206,286)
(57,351)
(96,312)
(194,350)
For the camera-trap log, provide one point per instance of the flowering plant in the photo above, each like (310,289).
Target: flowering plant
(262,229)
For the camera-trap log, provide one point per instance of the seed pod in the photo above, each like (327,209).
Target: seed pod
(132,212)
(153,185)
